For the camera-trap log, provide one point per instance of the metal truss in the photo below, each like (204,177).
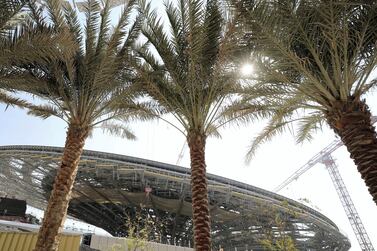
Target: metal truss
(313,161)
(110,187)
(347,203)
(324,157)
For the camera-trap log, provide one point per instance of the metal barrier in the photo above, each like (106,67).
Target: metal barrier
(104,243)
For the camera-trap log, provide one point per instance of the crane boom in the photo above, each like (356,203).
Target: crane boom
(181,153)
(313,161)
(325,158)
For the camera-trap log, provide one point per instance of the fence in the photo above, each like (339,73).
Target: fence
(104,243)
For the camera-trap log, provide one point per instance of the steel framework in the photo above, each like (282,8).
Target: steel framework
(109,187)
(324,157)
(347,203)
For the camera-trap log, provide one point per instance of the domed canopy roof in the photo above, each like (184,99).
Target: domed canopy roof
(110,187)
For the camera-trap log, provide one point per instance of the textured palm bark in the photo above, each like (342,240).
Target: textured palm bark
(200,206)
(352,122)
(58,202)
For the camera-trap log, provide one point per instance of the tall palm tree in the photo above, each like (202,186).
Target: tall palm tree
(315,60)
(87,85)
(185,67)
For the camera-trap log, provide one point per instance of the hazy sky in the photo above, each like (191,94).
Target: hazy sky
(273,163)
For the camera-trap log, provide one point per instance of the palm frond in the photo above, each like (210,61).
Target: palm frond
(212,33)
(178,32)
(13,101)
(43,111)
(149,58)
(86,73)
(119,130)
(104,29)
(10,9)
(212,131)
(315,39)
(270,131)
(133,32)
(21,81)
(124,21)
(241,113)
(196,15)
(183,68)
(55,12)
(36,13)
(308,125)
(283,113)
(310,55)
(114,57)
(154,32)
(92,14)
(25,45)
(73,23)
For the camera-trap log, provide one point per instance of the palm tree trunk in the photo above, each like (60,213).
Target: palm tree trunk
(58,203)
(352,122)
(200,206)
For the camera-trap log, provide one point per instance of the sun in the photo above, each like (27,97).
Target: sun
(247,69)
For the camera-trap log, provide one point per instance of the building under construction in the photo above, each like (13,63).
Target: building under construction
(110,188)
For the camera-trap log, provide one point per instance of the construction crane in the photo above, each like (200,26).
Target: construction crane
(324,157)
(181,153)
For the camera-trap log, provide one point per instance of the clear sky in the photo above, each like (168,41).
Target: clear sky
(273,163)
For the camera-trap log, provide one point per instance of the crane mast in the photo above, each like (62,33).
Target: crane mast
(347,203)
(324,157)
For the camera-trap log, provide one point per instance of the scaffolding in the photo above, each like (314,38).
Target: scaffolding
(109,187)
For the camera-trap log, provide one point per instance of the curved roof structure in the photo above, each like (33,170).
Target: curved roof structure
(111,187)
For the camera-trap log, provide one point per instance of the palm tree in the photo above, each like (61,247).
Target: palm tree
(86,85)
(315,60)
(187,70)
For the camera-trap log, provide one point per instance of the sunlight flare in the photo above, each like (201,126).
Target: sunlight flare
(247,69)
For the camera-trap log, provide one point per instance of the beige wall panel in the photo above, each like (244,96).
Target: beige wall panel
(18,241)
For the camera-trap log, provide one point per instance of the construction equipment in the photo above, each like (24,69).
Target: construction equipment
(325,158)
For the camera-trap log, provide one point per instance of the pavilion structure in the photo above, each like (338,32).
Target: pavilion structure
(110,188)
